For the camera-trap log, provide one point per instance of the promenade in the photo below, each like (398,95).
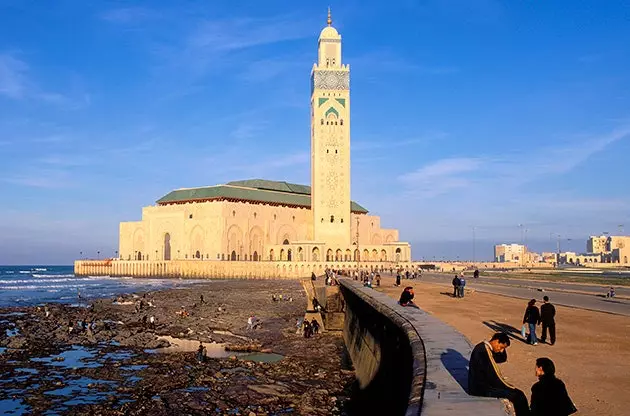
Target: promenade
(592,353)
(577,295)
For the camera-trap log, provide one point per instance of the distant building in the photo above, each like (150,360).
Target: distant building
(505,253)
(549,257)
(610,249)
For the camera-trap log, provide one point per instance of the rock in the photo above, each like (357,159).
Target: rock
(251,414)
(157,343)
(16,342)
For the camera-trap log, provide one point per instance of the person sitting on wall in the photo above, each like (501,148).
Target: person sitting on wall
(406,297)
(484,376)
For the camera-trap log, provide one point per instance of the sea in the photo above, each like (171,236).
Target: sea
(37,284)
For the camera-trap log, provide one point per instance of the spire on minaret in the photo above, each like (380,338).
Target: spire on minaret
(329,21)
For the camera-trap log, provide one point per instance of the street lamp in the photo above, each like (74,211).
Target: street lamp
(116,254)
(98,255)
(81,255)
(156,254)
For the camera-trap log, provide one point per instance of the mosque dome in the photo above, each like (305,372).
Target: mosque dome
(329,32)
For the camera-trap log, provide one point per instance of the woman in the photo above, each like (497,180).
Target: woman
(549,394)
(532,318)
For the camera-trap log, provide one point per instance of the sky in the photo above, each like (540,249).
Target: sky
(511,118)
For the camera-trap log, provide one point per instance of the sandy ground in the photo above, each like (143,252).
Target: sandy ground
(592,350)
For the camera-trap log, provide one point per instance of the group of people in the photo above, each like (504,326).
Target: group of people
(281,297)
(549,395)
(459,283)
(306,327)
(533,317)
(253,323)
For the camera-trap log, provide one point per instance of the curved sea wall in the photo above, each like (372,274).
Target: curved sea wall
(406,361)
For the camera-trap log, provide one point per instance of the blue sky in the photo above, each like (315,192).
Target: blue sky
(470,113)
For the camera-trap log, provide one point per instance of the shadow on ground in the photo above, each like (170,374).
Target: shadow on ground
(511,332)
(457,366)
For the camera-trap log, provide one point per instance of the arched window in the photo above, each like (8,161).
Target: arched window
(167,246)
(233,256)
(322,121)
(289,255)
(341,122)
(255,256)
(332,218)
(139,255)
(197,254)
(285,242)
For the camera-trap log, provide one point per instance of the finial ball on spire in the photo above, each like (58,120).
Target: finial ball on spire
(329,21)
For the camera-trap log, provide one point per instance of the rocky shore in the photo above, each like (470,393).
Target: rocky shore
(108,358)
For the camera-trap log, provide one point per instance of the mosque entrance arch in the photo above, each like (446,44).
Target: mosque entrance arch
(233,256)
(255,256)
(167,246)
(398,253)
(139,257)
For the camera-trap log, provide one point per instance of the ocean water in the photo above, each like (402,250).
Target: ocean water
(34,285)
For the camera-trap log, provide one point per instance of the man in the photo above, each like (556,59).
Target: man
(549,394)
(547,316)
(476,274)
(484,376)
(455,286)
(462,284)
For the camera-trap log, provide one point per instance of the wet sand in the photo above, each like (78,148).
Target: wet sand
(592,351)
(114,369)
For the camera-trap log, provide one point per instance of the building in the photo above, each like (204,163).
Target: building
(255,220)
(597,244)
(610,249)
(507,253)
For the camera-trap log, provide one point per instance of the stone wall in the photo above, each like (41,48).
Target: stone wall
(407,362)
(199,269)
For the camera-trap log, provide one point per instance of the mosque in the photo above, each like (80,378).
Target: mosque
(263,220)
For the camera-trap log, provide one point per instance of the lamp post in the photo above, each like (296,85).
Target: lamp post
(98,255)
(521,227)
(81,255)
(116,254)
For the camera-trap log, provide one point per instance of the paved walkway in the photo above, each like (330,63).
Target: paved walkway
(536,290)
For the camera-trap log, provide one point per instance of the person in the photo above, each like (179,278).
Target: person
(462,283)
(398,279)
(298,325)
(152,321)
(532,318)
(476,274)
(307,329)
(549,394)
(406,296)
(201,299)
(201,353)
(484,376)
(315,326)
(250,322)
(313,277)
(547,317)
(455,286)
(378,280)
(611,293)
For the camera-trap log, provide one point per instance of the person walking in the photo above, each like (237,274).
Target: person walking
(462,284)
(455,286)
(547,317)
(532,318)
(484,376)
(549,394)
(398,279)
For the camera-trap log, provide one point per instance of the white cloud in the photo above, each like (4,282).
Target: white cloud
(13,76)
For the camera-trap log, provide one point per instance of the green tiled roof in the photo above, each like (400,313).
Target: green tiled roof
(256,190)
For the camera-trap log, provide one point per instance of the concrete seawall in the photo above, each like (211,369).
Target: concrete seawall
(199,269)
(407,362)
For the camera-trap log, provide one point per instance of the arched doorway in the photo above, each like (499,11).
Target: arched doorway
(338,255)
(197,254)
(289,255)
(272,255)
(315,254)
(139,255)
(285,242)
(383,255)
(255,256)
(233,256)
(300,254)
(357,256)
(167,246)
(398,253)
(329,255)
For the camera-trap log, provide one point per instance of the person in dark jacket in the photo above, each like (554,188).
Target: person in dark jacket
(549,394)
(547,317)
(456,283)
(532,318)
(406,296)
(484,376)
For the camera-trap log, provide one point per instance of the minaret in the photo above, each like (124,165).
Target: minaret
(330,142)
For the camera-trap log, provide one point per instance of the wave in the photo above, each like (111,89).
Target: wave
(38,287)
(39,269)
(9,271)
(25,271)
(53,275)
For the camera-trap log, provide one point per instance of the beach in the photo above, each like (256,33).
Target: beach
(118,362)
